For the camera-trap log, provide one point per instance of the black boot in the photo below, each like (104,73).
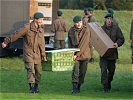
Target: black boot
(109,86)
(79,87)
(105,88)
(75,88)
(36,89)
(31,85)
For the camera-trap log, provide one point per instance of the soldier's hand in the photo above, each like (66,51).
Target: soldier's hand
(45,58)
(115,45)
(3,45)
(74,58)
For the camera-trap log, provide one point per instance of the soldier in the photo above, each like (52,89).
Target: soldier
(33,49)
(79,37)
(59,27)
(110,10)
(90,15)
(131,39)
(107,64)
(88,18)
(85,17)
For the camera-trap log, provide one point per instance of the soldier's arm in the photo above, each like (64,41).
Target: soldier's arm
(65,27)
(42,48)
(21,32)
(120,38)
(70,39)
(93,19)
(84,42)
(69,42)
(53,28)
(131,32)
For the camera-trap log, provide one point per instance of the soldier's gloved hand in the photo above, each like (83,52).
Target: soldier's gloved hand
(45,58)
(115,45)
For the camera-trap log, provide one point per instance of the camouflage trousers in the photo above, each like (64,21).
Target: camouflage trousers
(33,72)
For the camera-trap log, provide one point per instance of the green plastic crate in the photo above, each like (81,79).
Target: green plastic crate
(59,60)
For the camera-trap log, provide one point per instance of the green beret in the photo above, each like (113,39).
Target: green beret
(90,9)
(59,13)
(77,19)
(110,10)
(108,15)
(38,15)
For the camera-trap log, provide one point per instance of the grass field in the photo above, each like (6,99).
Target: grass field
(57,85)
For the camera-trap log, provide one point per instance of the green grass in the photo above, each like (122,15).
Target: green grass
(57,85)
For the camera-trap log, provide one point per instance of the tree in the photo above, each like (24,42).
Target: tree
(100,4)
(97,4)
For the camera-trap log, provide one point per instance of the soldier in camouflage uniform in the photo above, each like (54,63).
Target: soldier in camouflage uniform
(33,49)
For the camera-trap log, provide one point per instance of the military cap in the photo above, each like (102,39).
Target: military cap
(110,10)
(59,13)
(90,9)
(38,15)
(77,19)
(108,15)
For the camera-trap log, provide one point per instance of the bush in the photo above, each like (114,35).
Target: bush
(127,6)
(97,4)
